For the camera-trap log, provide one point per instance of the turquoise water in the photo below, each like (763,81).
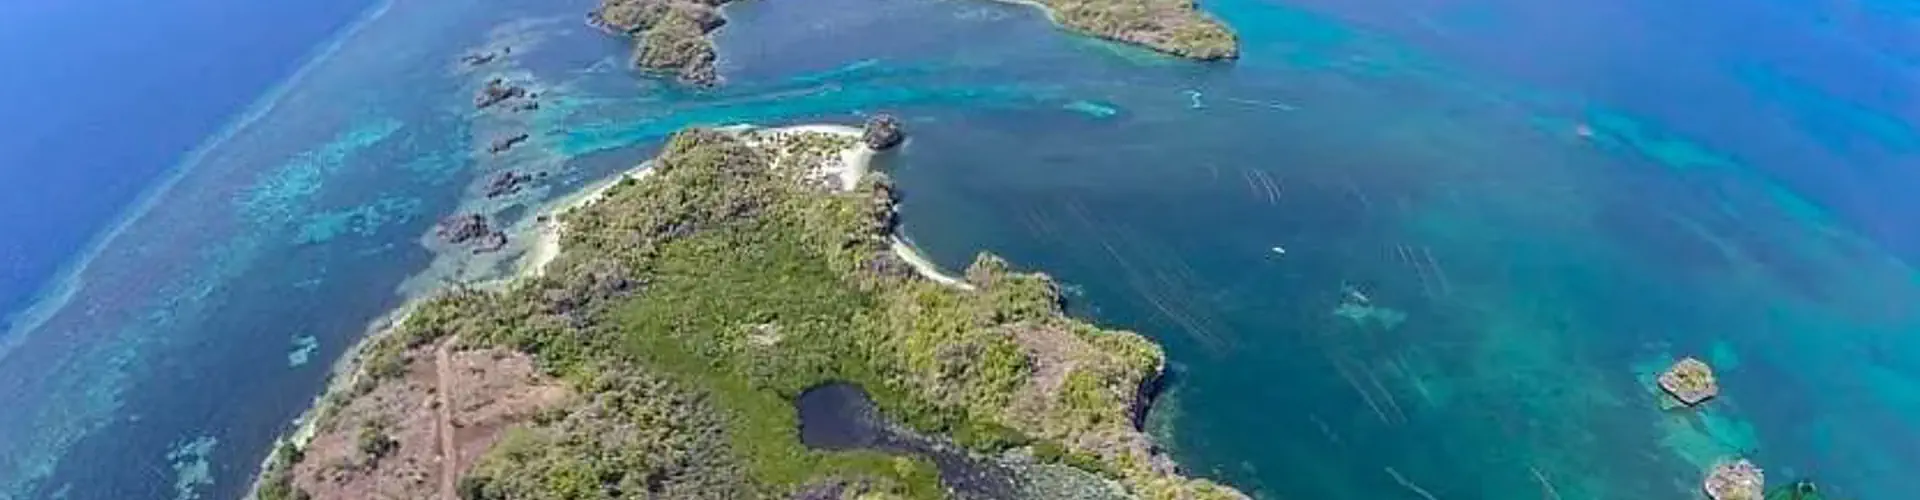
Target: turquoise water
(1471,301)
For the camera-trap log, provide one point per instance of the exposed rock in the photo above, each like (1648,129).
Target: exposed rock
(1735,480)
(492,242)
(497,90)
(882,131)
(501,145)
(507,183)
(1690,381)
(478,59)
(461,228)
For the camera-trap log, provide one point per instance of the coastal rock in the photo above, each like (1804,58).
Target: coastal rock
(491,242)
(507,183)
(1734,480)
(461,228)
(501,145)
(882,131)
(495,91)
(478,59)
(1690,381)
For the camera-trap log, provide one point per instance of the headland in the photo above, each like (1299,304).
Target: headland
(660,351)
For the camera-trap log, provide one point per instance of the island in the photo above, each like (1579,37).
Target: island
(671,36)
(661,352)
(1690,382)
(1176,27)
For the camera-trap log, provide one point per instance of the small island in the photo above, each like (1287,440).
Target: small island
(670,36)
(1176,27)
(1735,479)
(662,351)
(1690,381)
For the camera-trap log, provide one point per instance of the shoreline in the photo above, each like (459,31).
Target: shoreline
(1044,10)
(855,162)
(342,374)
(841,171)
(547,227)
(924,266)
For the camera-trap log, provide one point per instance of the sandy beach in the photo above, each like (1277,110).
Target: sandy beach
(546,245)
(921,264)
(845,171)
(853,162)
(849,166)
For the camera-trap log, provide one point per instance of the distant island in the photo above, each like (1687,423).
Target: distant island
(671,36)
(660,351)
(1176,27)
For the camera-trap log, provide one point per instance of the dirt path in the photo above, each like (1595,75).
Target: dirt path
(443,385)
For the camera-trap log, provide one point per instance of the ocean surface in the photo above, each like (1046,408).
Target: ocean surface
(1401,249)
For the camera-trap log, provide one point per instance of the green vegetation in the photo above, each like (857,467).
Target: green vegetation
(276,481)
(374,442)
(669,35)
(636,436)
(678,44)
(690,309)
(1175,27)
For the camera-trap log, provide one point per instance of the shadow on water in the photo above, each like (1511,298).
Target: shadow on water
(840,417)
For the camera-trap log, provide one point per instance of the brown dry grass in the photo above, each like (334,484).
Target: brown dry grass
(487,391)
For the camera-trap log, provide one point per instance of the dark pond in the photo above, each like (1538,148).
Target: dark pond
(840,416)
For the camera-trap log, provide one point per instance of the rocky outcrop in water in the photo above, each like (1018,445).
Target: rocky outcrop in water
(1735,480)
(501,145)
(882,131)
(478,59)
(507,183)
(1690,381)
(496,91)
(670,35)
(473,230)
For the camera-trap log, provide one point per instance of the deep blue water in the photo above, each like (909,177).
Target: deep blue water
(106,97)
(1541,203)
